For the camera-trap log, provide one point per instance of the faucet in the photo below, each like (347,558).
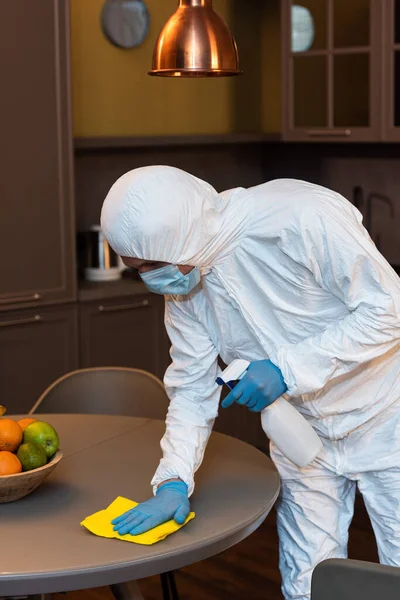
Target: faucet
(368,217)
(358,197)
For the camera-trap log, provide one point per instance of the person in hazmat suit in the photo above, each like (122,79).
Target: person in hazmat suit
(285,276)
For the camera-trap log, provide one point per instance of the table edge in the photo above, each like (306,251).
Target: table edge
(79,579)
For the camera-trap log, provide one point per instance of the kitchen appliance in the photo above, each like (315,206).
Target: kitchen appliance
(97,261)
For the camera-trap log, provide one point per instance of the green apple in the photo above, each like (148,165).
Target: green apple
(44,435)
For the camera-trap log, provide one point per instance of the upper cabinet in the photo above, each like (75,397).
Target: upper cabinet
(391,70)
(36,225)
(332,69)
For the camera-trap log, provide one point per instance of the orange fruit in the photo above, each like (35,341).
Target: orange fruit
(3,410)
(23,423)
(10,435)
(9,463)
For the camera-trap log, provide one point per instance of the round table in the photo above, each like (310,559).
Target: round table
(45,550)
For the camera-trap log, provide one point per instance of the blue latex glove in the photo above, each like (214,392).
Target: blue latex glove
(170,502)
(260,387)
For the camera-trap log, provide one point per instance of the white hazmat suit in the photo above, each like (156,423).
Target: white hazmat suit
(288,274)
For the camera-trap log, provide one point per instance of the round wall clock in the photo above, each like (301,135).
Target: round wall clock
(125,23)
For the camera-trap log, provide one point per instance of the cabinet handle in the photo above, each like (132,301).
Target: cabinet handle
(21,299)
(123,306)
(35,319)
(329,132)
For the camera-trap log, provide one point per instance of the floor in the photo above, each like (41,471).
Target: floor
(247,571)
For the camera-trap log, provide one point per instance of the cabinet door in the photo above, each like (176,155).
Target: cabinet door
(36,347)
(36,225)
(124,332)
(331,74)
(391,62)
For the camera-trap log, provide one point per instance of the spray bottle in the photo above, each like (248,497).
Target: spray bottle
(281,422)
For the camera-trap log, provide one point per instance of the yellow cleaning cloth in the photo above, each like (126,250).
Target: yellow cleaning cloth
(100,524)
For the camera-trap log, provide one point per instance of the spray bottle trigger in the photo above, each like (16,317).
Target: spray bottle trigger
(233,373)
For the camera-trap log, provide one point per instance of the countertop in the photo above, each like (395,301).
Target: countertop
(89,291)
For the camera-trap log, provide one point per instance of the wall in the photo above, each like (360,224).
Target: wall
(113,95)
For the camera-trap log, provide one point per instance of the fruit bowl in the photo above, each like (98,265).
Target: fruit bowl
(17,486)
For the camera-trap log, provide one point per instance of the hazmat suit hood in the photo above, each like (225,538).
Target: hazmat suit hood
(164,214)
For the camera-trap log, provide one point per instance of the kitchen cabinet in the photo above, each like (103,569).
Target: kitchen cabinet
(37,220)
(332,89)
(125,332)
(391,70)
(36,347)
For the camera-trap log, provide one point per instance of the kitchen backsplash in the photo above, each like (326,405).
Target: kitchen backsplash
(342,167)
(374,175)
(224,166)
(376,169)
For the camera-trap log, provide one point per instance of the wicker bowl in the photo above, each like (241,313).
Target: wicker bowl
(15,487)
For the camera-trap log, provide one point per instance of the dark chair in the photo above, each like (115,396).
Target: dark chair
(110,391)
(105,391)
(344,579)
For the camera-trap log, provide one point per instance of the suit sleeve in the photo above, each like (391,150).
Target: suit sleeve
(190,384)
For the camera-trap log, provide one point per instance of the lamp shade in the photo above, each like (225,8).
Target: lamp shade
(195,42)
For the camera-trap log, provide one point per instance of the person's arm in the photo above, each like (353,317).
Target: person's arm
(190,383)
(194,397)
(335,247)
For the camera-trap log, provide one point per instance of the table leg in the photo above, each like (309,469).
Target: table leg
(126,591)
(172,585)
(165,586)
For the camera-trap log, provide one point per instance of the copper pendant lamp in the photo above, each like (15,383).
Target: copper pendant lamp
(195,42)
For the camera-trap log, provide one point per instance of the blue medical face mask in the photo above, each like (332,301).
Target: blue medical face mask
(169,280)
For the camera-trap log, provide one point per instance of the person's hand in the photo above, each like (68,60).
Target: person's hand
(260,387)
(170,502)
